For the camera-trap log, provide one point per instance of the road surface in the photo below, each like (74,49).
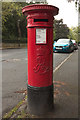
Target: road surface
(14,75)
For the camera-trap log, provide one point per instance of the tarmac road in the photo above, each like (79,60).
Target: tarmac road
(14,75)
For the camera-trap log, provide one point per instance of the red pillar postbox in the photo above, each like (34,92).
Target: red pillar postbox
(40,57)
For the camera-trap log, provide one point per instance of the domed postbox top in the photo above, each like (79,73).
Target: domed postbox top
(40,8)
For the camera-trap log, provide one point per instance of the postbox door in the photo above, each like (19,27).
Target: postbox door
(40,57)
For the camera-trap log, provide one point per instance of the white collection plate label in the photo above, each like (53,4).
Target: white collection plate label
(41,36)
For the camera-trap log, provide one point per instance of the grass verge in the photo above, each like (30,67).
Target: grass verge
(14,110)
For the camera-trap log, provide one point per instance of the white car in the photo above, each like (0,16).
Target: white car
(75,44)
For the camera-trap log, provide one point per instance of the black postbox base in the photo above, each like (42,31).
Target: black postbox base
(40,99)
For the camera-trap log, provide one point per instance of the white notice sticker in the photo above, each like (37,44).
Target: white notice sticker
(41,36)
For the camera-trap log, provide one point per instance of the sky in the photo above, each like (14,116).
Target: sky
(67,12)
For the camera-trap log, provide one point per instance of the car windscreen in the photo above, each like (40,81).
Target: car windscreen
(63,41)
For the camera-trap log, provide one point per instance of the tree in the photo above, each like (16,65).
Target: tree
(13,23)
(77,4)
(37,1)
(61,30)
(74,33)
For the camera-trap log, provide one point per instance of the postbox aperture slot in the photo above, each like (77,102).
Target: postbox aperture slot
(40,20)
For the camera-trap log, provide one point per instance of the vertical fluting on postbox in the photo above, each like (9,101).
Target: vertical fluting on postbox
(40,57)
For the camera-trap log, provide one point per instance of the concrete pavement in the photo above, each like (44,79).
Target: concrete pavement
(65,94)
(14,75)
